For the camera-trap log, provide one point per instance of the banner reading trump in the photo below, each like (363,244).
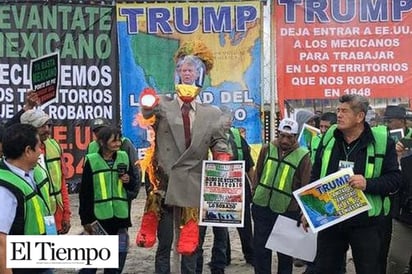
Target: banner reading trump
(150,35)
(331,200)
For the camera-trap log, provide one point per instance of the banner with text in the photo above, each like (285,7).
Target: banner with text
(85,39)
(149,36)
(331,200)
(222,201)
(328,48)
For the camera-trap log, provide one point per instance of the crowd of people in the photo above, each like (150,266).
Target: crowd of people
(187,132)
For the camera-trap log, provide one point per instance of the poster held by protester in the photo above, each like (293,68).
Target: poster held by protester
(307,134)
(331,200)
(44,72)
(222,193)
(396,134)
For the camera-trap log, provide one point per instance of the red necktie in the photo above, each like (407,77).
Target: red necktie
(186,123)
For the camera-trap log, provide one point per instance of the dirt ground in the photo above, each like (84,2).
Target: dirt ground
(141,260)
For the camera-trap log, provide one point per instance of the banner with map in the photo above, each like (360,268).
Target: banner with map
(150,34)
(325,49)
(330,200)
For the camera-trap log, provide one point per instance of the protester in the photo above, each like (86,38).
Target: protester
(281,168)
(96,125)
(305,117)
(399,231)
(23,191)
(185,130)
(103,191)
(326,120)
(52,160)
(395,117)
(372,156)
(400,252)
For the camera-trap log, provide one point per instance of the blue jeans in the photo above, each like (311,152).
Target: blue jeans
(333,242)
(264,220)
(165,240)
(218,260)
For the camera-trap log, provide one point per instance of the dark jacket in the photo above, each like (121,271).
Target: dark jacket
(384,185)
(86,199)
(403,200)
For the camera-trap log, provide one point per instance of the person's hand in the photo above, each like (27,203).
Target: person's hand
(400,149)
(32,100)
(222,156)
(88,229)
(65,227)
(303,223)
(358,182)
(125,178)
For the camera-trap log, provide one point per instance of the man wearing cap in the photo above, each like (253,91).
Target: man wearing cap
(281,168)
(52,160)
(395,118)
(398,232)
(126,146)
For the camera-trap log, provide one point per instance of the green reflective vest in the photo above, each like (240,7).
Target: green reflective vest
(110,198)
(54,167)
(275,186)
(375,153)
(93,147)
(238,142)
(36,203)
(314,147)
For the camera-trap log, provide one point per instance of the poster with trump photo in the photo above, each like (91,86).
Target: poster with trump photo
(222,194)
(331,200)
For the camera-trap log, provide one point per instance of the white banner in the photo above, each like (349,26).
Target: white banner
(62,251)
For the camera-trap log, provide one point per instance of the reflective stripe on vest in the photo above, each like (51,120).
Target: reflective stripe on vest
(375,154)
(54,167)
(275,186)
(238,143)
(110,198)
(35,204)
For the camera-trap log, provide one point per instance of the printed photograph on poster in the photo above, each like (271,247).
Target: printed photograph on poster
(222,193)
(396,134)
(330,200)
(307,134)
(44,72)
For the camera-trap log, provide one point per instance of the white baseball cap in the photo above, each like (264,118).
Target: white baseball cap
(288,125)
(34,117)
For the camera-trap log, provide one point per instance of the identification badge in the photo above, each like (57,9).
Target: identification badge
(50,225)
(346,164)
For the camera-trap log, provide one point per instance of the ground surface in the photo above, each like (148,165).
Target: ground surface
(141,260)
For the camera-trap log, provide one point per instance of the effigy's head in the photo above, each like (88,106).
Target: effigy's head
(193,62)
